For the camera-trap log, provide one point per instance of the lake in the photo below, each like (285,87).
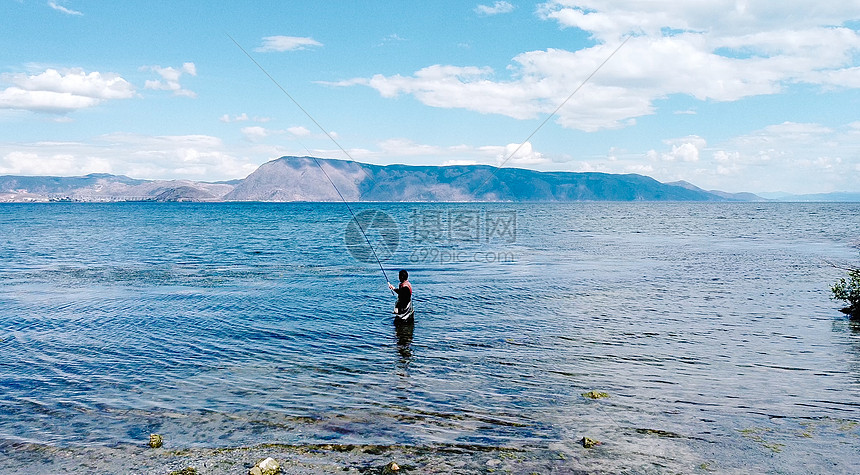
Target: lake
(709,326)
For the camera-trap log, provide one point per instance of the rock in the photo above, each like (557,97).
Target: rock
(184,471)
(392,467)
(155,441)
(588,442)
(267,466)
(595,395)
(493,462)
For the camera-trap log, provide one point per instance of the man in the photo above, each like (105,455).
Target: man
(403,307)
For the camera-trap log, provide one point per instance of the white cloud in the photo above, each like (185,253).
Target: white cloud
(63,9)
(256,132)
(711,50)
(405,147)
(514,154)
(685,149)
(686,152)
(494,9)
(170,79)
(195,157)
(299,131)
(392,38)
(243,117)
(722,156)
(23,163)
(401,150)
(286,43)
(786,133)
(455,162)
(44,101)
(792,157)
(608,19)
(190,68)
(64,91)
(346,82)
(642,169)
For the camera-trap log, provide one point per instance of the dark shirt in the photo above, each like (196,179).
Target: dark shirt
(404,295)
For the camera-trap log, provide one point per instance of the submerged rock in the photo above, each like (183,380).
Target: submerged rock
(588,442)
(660,433)
(267,466)
(595,395)
(392,467)
(184,471)
(155,441)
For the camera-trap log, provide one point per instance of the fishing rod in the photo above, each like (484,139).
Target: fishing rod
(326,132)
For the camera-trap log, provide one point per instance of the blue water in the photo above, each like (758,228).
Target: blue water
(709,325)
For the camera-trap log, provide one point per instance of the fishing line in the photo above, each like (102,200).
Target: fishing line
(583,83)
(360,227)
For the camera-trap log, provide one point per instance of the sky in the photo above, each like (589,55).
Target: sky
(734,95)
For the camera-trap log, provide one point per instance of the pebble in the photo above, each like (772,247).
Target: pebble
(155,441)
(267,466)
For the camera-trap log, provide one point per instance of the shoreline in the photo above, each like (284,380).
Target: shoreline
(293,459)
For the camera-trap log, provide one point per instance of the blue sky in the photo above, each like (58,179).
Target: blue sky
(737,95)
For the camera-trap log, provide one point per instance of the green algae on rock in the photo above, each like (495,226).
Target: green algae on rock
(595,395)
(588,442)
(660,433)
(155,441)
(752,433)
(184,471)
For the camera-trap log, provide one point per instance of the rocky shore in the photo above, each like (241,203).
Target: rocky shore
(291,460)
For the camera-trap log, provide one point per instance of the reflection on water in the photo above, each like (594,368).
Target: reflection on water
(404,332)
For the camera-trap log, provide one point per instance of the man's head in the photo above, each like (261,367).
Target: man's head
(403,275)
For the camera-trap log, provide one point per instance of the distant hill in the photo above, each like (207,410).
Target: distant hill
(51,185)
(106,187)
(727,196)
(300,179)
(842,196)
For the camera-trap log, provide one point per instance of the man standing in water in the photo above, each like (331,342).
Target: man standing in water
(403,307)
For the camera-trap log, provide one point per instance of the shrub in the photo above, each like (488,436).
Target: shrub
(848,290)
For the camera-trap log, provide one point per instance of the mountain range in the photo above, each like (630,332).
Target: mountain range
(302,179)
